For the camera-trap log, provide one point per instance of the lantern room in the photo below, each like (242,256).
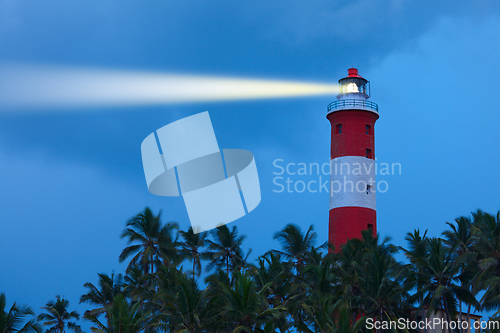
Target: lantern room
(354,86)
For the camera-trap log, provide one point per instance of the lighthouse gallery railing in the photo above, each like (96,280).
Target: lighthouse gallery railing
(345,103)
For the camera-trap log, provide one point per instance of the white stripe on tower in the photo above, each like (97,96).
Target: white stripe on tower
(352,182)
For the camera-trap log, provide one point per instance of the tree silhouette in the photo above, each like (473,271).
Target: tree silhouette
(58,316)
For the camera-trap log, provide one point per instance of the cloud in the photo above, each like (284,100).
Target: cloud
(288,38)
(361,29)
(61,224)
(439,119)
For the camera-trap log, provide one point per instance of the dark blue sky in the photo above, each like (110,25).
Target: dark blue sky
(71,178)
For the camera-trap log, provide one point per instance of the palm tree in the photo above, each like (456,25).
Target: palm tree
(487,230)
(58,316)
(135,282)
(347,268)
(333,318)
(246,308)
(368,281)
(12,321)
(306,265)
(161,299)
(155,242)
(109,287)
(383,293)
(343,324)
(191,246)
(125,317)
(296,244)
(416,253)
(225,252)
(272,270)
(316,305)
(440,269)
(180,305)
(461,238)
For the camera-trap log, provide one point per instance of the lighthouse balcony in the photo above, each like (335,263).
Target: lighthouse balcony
(349,104)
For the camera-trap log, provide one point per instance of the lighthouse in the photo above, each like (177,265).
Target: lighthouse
(352,160)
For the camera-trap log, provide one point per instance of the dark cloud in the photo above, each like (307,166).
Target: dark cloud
(314,40)
(296,38)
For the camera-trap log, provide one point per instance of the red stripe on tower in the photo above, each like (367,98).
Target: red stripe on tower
(352,188)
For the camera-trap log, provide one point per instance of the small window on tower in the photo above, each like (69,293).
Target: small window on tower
(368,189)
(369,226)
(368,129)
(369,153)
(339,128)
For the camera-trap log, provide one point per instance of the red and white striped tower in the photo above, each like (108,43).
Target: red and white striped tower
(352,187)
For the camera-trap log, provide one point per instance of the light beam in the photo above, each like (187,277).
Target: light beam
(30,86)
